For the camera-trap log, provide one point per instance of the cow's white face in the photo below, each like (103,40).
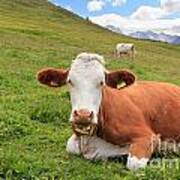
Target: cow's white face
(86,78)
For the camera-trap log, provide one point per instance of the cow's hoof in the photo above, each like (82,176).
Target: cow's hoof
(73,145)
(133,163)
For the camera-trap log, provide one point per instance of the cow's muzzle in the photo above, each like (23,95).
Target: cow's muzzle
(82,122)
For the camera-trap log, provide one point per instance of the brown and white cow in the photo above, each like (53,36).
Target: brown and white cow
(108,121)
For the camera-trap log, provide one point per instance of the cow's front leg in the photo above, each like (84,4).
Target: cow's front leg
(93,148)
(141,151)
(73,145)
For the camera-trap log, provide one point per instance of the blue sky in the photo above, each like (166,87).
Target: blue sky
(80,6)
(129,15)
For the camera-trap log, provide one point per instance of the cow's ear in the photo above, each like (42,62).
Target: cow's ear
(52,77)
(114,78)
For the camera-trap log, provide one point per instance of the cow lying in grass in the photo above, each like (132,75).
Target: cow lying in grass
(108,121)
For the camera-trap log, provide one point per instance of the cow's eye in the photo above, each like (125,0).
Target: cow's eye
(101,83)
(70,82)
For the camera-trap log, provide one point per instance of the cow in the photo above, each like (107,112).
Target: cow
(108,121)
(125,49)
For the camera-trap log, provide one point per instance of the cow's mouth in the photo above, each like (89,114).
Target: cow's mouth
(84,129)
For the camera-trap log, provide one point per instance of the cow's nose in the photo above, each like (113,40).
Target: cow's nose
(83,116)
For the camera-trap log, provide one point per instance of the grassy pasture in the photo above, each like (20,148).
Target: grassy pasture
(34,123)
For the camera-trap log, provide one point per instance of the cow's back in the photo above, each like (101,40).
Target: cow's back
(124,47)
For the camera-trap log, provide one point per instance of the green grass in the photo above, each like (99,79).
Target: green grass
(34,125)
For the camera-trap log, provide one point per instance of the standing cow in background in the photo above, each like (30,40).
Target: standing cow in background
(125,49)
(105,118)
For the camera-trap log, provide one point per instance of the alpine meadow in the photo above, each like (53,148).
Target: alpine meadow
(34,119)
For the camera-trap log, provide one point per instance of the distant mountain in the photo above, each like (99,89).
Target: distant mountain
(172,39)
(114,29)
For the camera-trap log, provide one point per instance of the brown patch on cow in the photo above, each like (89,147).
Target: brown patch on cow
(136,114)
(144,147)
(52,77)
(114,78)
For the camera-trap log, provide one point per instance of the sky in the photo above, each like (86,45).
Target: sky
(129,15)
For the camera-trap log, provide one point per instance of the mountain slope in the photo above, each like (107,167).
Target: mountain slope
(34,124)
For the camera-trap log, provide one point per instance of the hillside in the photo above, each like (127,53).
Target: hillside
(34,124)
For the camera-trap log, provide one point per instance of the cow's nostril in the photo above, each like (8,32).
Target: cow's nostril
(75,113)
(83,114)
(91,114)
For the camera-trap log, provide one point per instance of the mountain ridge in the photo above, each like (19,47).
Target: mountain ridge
(148,35)
(172,39)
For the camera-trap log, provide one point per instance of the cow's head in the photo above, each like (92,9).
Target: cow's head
(85,79)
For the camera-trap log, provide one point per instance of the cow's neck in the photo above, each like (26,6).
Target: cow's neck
(102,117)
(105,118)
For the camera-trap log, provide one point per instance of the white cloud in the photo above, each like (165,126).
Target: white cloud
(148,13)
(118,2)
(54,2)
(95,5)
(128,25)
(145,18)
(98,5)
(109,19)
(68,7)
(171,5)
(174,30)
